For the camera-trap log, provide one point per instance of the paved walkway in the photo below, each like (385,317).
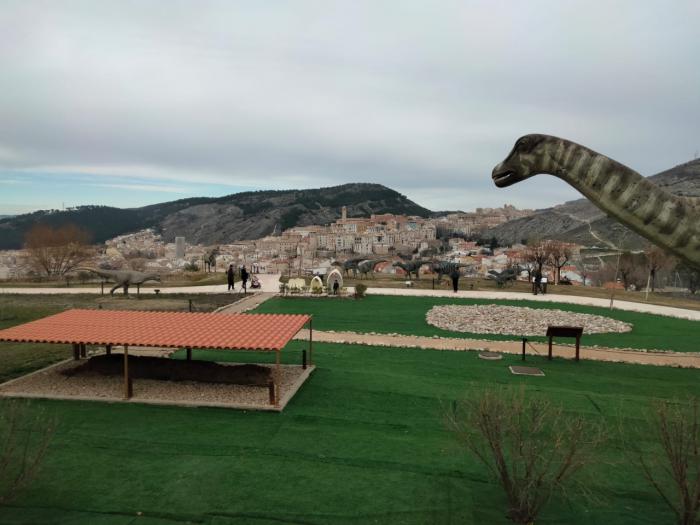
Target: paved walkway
(269,283)
(245,304)
(547,298)
(689,360)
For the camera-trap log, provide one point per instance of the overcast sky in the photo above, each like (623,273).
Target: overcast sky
(129,103)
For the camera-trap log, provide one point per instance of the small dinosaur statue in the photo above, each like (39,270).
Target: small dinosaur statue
(124,278)
(669,221)
(411,267)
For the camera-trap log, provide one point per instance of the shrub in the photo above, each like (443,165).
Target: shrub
(529,445)
(360,289)
(24,438)
(675,474)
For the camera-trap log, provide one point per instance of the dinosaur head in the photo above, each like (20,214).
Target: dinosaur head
(522,162)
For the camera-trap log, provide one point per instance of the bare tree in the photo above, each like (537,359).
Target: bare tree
(24,437)
(56,251)
(657,260)
(631,270)
(537,253)
(675,475)
(529,445)
(560,253)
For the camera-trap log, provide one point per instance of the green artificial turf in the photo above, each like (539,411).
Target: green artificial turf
(363,441)
(406,315)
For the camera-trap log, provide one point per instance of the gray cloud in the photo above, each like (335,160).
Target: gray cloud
(423,97)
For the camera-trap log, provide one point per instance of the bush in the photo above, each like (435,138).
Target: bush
(360,290)
(675,474)
(25,435)
(191,267)
(529,445)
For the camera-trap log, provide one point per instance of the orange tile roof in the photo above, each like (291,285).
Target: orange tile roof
(166,329)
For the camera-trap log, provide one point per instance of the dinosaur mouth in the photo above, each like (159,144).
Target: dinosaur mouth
(504,178)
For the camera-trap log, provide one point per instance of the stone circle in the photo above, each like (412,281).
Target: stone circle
(517,320)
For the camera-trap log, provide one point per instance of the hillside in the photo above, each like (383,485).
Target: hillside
(239,216)
(582,222)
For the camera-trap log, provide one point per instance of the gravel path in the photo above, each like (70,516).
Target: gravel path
(649,357)
(516,320)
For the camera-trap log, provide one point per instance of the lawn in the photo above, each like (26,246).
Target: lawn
(406,315)
(362,442)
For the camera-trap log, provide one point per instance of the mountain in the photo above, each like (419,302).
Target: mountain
(205,220)
(582,222)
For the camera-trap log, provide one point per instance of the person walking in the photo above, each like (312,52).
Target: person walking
(230,273)
(244,278)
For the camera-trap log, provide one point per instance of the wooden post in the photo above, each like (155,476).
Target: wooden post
(108,349)
(271,391)
(76,352)
(524,341)
(127,390)
(578,347)
(83,350)
(278,376)
(311,341)
(550,348)
(189,354)
(303,359)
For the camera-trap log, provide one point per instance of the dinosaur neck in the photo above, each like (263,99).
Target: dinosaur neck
(665,219)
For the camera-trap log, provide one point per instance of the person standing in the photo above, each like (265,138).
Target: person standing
(454,274)
(244,278)
(230,273)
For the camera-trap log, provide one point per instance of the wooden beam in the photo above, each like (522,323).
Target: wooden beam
(578,347)
(108,349)
(550,348)
(278,377)
(189,354)
(76,352)
(311,341)
(127,390)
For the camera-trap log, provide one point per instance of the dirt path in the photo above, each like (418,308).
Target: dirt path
(689,360)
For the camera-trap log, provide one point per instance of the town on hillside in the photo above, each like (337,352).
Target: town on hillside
(387,239)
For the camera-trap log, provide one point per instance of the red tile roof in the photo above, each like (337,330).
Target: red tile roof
(166,329)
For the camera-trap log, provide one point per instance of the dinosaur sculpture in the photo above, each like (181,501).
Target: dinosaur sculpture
(669,221)
(124,278)
(350,264)
(509,275)
(411,267)
(367,266)
(445,268)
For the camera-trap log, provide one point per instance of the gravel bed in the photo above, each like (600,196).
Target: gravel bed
(517,320)
(51,382)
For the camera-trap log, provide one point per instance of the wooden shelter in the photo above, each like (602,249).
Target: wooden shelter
(108,328)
